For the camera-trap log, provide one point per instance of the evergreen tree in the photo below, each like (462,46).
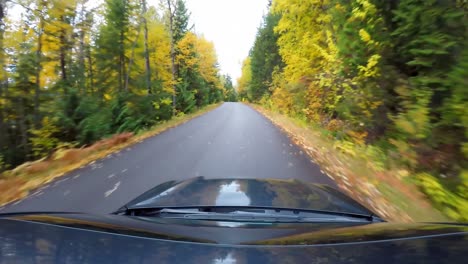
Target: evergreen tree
(264,58)
(429,47)
(112,44)
(181,20)
(231,94)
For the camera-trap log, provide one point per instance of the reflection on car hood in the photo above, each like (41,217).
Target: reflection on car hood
(74,238)
(248,192)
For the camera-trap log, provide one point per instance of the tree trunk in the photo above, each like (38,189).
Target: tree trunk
(122,70)
(23,128)
(147,58)
(81,49)
(2,122)
(3,79)
(90,70)
(81,61)
(63,49)
(2,10)
(85,24)
(37,91)
(130,63)
(171,29)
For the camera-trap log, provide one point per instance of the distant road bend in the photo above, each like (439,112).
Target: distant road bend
(231,141)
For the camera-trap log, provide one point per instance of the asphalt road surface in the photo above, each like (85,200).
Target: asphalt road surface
(231,141)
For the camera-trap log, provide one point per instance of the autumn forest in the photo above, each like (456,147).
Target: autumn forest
(73,75)
(389,77)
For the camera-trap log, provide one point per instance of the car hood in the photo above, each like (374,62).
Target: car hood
(78,238)
(248,192)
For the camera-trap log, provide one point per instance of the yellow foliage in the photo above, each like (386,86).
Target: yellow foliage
(415,122)
(371,69)
(197,52)
(2,164)
(166,101)
(246,77)
(405,125)
(465,149)
(364,35)
(308,48)
(56,32)
(283,100)
(305,43)
(405,150)
(346,147)
(186,50)
(335,125)
(159,53)
(207,60)
(463,188)
(452,204)
(162,102)
(43,139)
(357,137)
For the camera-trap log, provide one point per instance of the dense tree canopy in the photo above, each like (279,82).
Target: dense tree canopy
(71,74)
(392,74)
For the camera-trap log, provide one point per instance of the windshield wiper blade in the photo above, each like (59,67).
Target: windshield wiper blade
(250,214)
(255,217)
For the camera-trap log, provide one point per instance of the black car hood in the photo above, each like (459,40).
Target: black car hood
(248,192)
(77,238)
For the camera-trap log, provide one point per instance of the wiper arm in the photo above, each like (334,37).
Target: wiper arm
(240,216)
(180,211)
(249,214)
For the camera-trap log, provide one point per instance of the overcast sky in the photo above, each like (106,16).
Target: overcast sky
(230,24)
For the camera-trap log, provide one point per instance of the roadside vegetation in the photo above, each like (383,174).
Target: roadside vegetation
(79,82)
(30,176)
(384,83)
(387,191)
(73,73)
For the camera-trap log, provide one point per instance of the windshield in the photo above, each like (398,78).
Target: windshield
(332,110)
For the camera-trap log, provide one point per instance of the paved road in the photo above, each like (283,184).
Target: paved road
(230,141)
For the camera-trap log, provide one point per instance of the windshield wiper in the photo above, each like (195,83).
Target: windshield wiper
(258,214)
(250,216)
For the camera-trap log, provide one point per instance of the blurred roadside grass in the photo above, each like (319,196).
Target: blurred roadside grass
(18,183)
(362,172)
